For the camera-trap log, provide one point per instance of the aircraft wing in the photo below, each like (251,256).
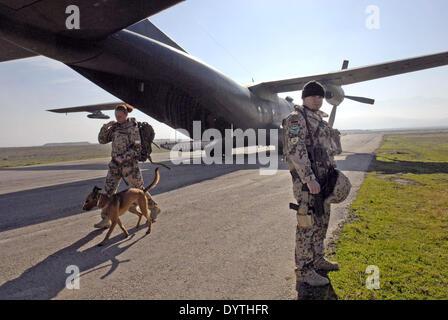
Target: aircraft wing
(89,108)
(350,76)
(98,19)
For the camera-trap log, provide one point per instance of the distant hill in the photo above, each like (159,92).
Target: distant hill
(82,143)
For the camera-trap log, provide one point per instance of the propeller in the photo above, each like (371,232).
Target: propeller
(358,99)
(354,98)
(361,99)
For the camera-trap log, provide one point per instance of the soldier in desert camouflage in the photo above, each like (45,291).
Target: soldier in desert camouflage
(298,143)
(126,146)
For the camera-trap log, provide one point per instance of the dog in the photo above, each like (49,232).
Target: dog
(114,206)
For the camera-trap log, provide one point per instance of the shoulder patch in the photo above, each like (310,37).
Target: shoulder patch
(294,129)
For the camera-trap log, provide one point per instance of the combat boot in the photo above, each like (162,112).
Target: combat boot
(325,265)
(313,279)
(103,224)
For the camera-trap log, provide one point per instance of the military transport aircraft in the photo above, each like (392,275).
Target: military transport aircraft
(118,49)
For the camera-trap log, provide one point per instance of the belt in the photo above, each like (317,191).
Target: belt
(123,163)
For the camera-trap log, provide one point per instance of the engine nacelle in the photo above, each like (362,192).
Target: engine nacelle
(97,115)
(334,95)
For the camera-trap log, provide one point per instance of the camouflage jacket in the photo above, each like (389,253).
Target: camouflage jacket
(125,139)
(296,139)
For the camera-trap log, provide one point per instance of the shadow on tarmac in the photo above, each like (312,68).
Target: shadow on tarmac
(47,278)
(398,166)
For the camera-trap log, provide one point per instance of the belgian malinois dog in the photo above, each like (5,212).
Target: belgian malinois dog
(114,206)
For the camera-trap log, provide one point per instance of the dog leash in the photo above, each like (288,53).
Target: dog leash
(159,163)
(124,179)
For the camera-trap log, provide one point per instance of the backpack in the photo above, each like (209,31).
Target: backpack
(147,135)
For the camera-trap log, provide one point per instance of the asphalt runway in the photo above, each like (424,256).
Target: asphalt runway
(225,231)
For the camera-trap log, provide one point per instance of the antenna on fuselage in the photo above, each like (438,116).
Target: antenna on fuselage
(225,49)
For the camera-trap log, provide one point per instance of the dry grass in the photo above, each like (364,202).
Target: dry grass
(25,156)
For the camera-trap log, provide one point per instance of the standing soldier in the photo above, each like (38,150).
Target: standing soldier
(309,148)
(126,146)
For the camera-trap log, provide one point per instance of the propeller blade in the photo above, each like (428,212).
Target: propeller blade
(332,116)
(361,99)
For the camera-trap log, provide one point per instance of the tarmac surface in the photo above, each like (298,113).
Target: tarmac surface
(225,231)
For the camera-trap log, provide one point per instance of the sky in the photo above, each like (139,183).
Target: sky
(260,40)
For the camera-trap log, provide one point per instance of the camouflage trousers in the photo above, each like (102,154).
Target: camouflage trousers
(131,172)
(310,241)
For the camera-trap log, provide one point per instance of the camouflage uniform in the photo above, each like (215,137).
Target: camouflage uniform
(126,144)
(309,241)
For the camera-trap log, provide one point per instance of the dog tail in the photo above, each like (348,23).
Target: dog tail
(155,182)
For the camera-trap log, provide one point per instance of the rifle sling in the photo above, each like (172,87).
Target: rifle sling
(310,136)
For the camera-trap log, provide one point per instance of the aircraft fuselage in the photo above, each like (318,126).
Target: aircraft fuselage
(161,81)
(158,69)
